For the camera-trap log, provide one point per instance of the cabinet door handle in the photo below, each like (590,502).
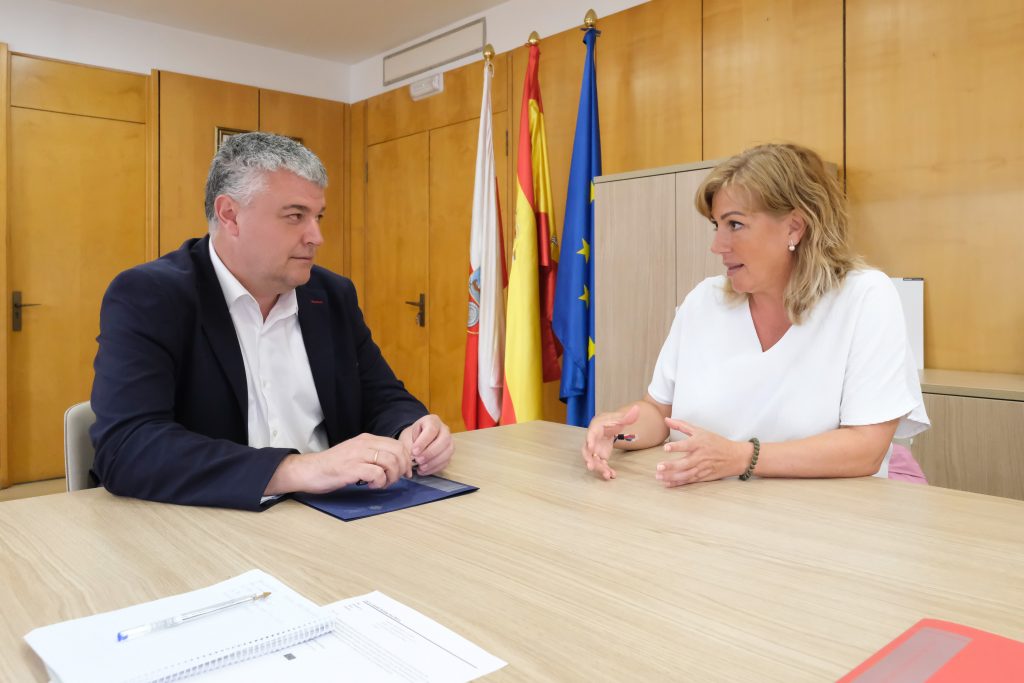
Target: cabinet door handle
(421,314)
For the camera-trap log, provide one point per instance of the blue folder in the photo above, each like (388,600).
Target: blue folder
(356,502)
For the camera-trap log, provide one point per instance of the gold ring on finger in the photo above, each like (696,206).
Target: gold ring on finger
(376,454)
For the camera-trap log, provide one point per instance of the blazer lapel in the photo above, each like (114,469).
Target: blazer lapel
(216,322)
(315,323)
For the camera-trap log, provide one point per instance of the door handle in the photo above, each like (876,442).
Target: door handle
(16,306)
(421,304)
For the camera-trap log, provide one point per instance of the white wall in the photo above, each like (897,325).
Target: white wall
(508,26)
(50,29)
(75,34)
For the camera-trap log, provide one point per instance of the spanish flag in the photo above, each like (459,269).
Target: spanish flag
(531,350)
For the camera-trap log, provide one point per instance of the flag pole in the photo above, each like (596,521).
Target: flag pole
(489,57)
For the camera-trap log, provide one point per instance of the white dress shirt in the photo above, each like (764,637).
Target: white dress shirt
(284,409)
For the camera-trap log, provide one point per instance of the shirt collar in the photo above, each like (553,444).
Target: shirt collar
(287,304)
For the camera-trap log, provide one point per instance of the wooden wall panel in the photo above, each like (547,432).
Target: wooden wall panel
(648,84)
(190,110)
(935,156)
(5,58)
(321,126)
(153,166)
(773,71)
(394,114)
(346,193)
(50,85)
(357,195)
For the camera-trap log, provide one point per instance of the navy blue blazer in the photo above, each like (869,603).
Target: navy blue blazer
(170,394)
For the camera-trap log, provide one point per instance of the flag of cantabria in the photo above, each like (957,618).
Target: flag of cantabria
(574,297)
(531,350)
(485,328)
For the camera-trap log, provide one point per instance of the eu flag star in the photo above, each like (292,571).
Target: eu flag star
(585,250)
(586,296)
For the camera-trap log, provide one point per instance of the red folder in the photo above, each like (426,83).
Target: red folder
(943,652)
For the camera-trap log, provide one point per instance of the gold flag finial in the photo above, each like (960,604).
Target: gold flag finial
(534,38)
(488,52)
(590,20)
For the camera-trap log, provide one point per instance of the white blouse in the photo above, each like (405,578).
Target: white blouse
(848,363)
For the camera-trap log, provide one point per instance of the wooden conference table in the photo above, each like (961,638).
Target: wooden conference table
(564,576)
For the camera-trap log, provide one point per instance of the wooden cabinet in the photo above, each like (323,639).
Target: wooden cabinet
(651,247)
(976,442)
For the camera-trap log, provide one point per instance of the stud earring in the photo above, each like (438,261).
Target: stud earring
(792,247)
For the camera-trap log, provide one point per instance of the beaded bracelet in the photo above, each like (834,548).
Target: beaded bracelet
(753,461)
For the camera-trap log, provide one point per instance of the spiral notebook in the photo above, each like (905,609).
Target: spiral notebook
(87,650)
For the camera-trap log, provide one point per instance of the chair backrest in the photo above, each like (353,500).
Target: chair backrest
(78,451)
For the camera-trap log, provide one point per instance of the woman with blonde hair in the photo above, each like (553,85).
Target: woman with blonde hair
(796,362)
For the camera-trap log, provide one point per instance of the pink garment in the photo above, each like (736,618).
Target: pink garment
(903,467)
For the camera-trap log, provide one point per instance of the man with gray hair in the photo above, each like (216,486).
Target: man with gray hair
(233,370)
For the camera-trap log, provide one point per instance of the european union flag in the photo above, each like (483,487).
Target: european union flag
(573,320)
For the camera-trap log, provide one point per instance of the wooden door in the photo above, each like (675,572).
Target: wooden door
(77,218)
(397,256)
(452,171)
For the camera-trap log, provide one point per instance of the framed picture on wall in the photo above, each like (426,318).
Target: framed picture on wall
(221,134)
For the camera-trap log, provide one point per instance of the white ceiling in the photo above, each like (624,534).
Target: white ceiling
(346,31)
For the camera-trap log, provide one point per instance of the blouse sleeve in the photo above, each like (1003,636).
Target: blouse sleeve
(881,381)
